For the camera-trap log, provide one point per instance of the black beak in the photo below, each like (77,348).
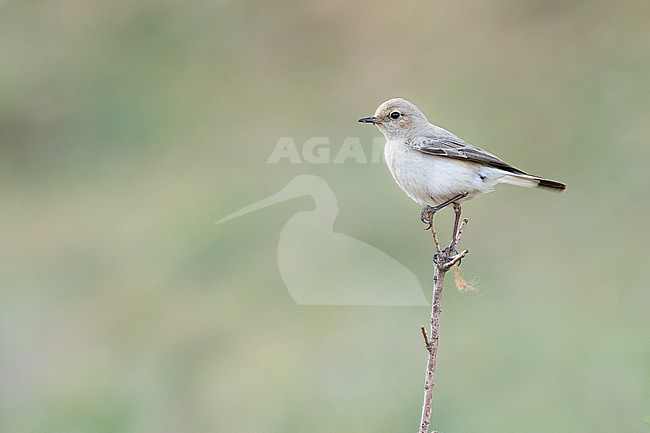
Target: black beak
(371,119)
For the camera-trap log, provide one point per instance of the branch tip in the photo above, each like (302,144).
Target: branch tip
(426,339)
(459,232)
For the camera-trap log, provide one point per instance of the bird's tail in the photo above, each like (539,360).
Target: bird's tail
(529,181)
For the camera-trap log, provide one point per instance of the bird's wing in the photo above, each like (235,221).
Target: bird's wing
(451,146)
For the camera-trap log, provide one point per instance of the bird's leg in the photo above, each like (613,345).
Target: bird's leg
(426,216)
(454,236)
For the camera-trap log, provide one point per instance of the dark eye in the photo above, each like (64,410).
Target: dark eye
(394,115)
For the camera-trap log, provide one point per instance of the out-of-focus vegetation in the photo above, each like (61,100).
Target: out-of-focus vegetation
(128,128)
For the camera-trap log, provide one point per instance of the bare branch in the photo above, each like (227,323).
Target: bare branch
(443,261)
(435,239)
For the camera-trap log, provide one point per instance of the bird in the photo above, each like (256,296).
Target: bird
(320,266)
(436,168)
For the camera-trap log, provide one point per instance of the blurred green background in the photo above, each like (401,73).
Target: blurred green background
(127,128)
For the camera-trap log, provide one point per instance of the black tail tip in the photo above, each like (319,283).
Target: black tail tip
(551,184)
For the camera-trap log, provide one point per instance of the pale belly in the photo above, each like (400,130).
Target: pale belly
(433,180)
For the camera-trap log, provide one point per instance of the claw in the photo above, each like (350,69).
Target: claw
(451,251)
(426,216)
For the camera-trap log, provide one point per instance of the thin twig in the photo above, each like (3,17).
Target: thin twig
(443,260)
(459,233)
(435,239)
(438,282)
(424,335)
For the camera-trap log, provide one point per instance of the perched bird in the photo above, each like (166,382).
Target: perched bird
(436,168)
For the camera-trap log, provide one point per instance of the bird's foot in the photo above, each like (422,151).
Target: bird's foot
(426,216)
(450,253)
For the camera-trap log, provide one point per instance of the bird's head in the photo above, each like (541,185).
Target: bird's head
(398,119)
